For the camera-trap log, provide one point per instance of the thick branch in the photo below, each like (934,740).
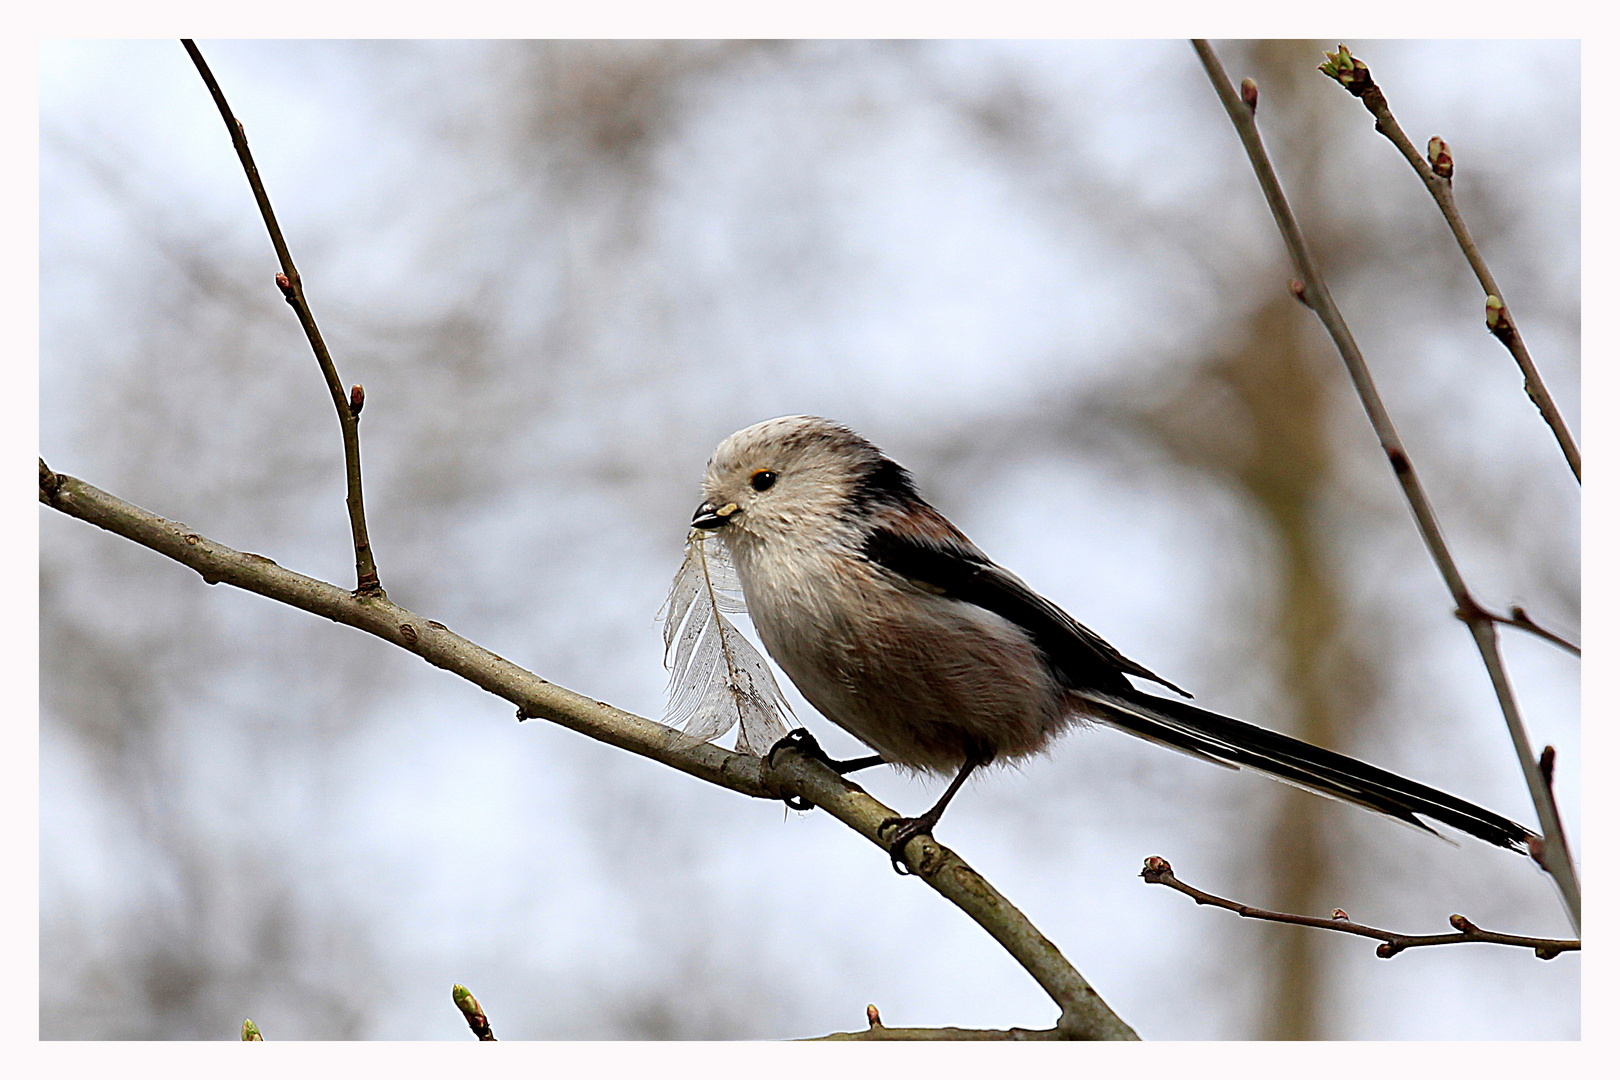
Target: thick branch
(1084,1014)
(1157,871)
(1554,853)
(292,287)
(1353,75)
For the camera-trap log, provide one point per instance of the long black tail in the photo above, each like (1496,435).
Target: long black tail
(1233,743)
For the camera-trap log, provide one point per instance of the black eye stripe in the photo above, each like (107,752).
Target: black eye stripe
(762,480)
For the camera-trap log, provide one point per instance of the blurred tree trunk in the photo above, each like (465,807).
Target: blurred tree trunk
(1282,459)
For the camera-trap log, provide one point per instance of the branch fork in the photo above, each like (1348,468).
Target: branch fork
(1354,76)
(367,583)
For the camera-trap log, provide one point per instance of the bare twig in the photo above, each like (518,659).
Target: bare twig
(474,1012)
(292,288)
(1553,852)
(1157,871)
(1353,75)
(1084,1015)
(1517,617)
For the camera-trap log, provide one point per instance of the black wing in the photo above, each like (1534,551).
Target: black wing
(1079,658)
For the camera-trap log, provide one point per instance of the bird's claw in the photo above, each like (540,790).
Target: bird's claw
(798,739)
(805,743)
(905,831)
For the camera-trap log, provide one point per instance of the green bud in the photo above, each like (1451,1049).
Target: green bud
(1494,312)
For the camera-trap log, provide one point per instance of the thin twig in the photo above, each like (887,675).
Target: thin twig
(1552,852)
(1156,871)
(474,1012)
(1084,1015)
(1517,617)
(1353,75)
(292,288)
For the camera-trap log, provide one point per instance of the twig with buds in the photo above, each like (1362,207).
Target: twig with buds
(292,289)
(1554,855)
(1519,619)
(1435,170)
(1157,871)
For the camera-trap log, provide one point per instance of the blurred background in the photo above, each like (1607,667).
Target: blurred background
(1041,275)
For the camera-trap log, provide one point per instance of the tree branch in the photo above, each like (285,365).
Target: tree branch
(1353,75)
(292,288)
(1084,1015)
(948,1034)
(876,1032)
(1553,852)
(1517,617)
(1157,871)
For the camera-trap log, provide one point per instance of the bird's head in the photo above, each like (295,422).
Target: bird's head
(798,475)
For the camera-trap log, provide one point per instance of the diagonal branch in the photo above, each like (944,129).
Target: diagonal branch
(1553,852)
(1353,75)
(1084,1015)
(1157,871)
(292,287)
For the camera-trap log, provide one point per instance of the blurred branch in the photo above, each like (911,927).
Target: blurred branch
(474,1012)
(1084,1014)
(1435,172)
(1553,853)
(1157,871)
(1519,618)
(292,288)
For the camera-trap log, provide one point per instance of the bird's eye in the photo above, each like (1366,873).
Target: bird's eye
(762,480)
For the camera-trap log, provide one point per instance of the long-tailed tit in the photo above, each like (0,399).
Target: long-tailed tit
(903,633)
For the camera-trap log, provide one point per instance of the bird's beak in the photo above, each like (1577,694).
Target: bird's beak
(710,516)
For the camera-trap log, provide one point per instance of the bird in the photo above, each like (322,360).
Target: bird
(901,631)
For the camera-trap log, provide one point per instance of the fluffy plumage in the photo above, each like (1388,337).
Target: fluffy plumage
(899,630)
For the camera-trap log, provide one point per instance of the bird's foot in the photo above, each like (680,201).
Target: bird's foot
(906,829)
(801,740)
(805,743)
